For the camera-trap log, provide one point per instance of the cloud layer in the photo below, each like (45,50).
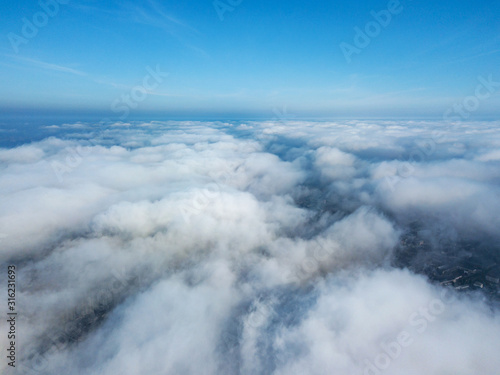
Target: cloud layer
(252,248)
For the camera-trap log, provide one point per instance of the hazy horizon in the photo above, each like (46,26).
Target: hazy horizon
(390,58)
(249,187)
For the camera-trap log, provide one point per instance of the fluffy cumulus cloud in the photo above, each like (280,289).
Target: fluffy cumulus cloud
(253,248)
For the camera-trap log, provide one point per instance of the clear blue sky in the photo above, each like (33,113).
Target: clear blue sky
(265,54)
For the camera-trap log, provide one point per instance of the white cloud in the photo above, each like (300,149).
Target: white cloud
(208,248)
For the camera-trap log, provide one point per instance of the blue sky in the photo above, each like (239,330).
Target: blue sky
(263,56)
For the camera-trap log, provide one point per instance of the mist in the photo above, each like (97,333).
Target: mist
(261,247)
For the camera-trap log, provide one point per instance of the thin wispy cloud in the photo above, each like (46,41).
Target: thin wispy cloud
(149,13)
(47,66)
(39,64)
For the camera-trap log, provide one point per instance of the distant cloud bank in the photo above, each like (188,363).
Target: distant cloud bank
(253,248)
